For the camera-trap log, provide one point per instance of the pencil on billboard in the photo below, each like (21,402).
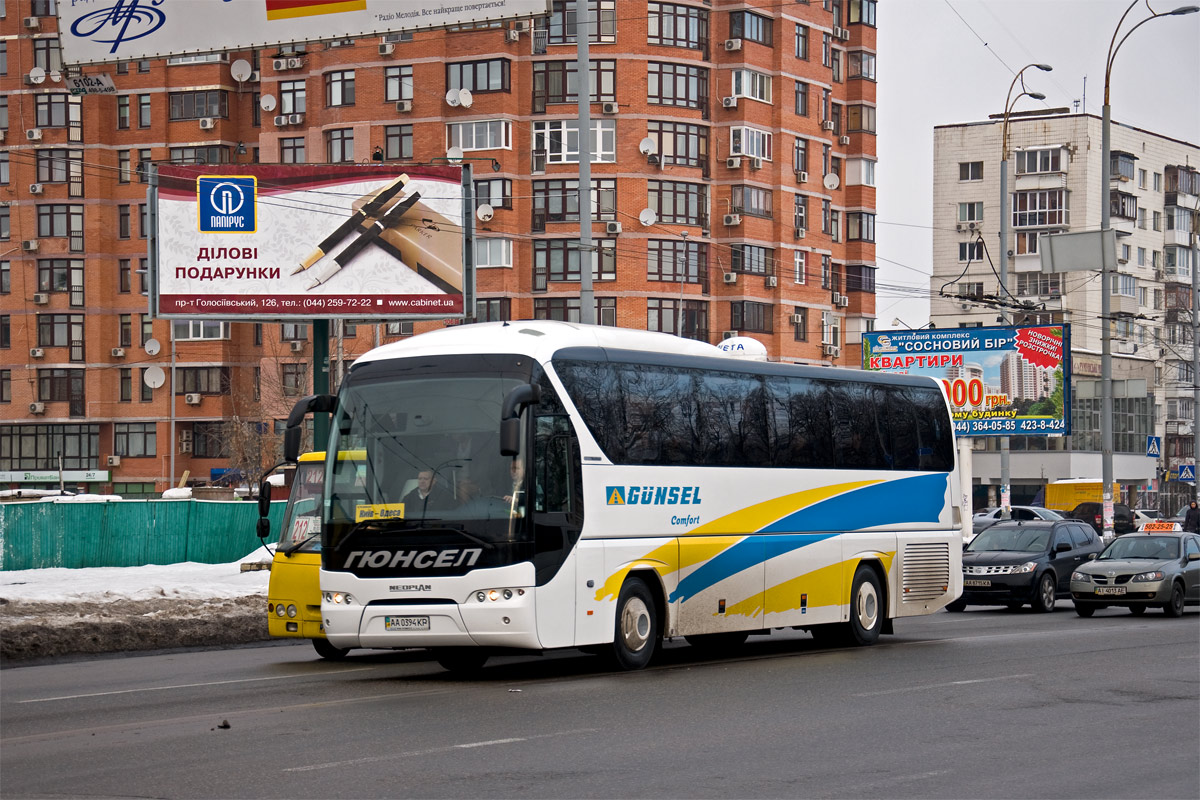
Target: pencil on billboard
(370,210)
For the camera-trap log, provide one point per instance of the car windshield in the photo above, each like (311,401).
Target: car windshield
(1015,539)
(1155,548)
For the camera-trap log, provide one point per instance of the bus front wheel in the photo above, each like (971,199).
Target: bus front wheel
(461,659)
(327,651)
(866,607)
(636,635)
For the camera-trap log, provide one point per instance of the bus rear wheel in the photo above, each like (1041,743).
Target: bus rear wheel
(327,651)
(635,635)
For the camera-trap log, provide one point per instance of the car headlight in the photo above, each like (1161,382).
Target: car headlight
(1153,575)
(1027,567)
(1082,577)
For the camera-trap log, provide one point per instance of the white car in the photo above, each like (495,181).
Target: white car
(987,519)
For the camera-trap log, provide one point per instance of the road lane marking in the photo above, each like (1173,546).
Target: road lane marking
(450,748)
(945,685)
(188,686)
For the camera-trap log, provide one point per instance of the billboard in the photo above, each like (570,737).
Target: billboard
(1002,381)
(99,31)
(241,241)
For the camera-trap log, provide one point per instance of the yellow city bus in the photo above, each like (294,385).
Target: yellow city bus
(294,593)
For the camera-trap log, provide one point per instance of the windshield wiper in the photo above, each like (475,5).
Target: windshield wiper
(414,524)
(287,551)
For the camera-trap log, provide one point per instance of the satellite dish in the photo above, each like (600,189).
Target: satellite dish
(647,146)
(240,70)
(464,98)
(454,154)
(154,377)
(832,181)
(485,213)
(152,347)
(452,98)
(37,75)
(647,217)
(55,76)
(267,102)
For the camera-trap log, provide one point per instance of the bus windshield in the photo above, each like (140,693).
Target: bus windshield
(430,470)
(302,519)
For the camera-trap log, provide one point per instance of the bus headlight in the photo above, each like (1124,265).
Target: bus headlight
(494,595)
(280,610)
(291,610)
(338,598)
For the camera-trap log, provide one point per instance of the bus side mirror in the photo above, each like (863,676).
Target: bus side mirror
(264,498)
(313,403)
(510,417)
(264,528)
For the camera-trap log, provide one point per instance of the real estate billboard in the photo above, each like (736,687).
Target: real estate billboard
(1001,381)
(314,241)
(99,31)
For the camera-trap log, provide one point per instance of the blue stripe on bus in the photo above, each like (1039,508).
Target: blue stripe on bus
(747,553)
(917,499)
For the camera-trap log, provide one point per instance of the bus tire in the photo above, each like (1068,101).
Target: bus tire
(867,608)
(956,605)
(718,644)
(635,632)
(461,659)
(327,651)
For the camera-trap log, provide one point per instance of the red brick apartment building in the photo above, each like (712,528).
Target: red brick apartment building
(761,176)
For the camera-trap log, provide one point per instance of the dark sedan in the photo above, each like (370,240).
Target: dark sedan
(1018,562)
(1140,571)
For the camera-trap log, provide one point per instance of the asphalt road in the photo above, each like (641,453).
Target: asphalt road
(987,703)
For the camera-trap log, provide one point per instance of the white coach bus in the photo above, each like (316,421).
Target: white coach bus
(539,485)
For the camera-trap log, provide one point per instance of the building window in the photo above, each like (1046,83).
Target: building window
(751,84)
(1157,220)
(209,440)
(860,119)
(860,226)
(970,170)
(51,111)
(485,134)
(202,380)
(59,274)
(47,55)
(60,384)
(291,150)
(559,140)
(556,82)
(339,146)
(830,329)
(194,105)
(802,42)
(800,324)
(558,260)
(196,330)
(1035,284)
(479,77)
(676,202)
(862,65)
(679,143)
(826,50)
(677,85)
(398,83)
(753,259)
(124,225)
(125,330)
(674,25)
(339,88)
(397,142)
(293,332)
(677,261)
(862,11)
(751,200)
(563,309)
(493,252)
(5,277)
(749,316)
(495,192)
(1039,208)
(124,166)
(801,99)
(292,97)
(5,331)
(125,383)
(59,166)
(602,15)
(143,111)
(860,278)
(1121,165)
(746,141)
(215,154)
(800,266)
(800,156)
(1123,205)
(399,329)
(751,27)
(493,309)
(1034,161)
(970,251)
(686,318)
(558,201)
(58,220)
(294,378)
(135,439)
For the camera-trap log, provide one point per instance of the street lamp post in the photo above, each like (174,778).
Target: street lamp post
(1106,401)
(1009,101)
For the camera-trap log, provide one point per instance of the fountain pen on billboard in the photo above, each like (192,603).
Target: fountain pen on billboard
(371,210)
(365,238)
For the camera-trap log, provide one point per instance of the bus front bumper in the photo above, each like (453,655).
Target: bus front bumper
(503,622)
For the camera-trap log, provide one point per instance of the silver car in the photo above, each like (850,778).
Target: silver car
(987,519)
(1140,571)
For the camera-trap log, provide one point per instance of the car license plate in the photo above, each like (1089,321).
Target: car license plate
(1110,590)
(406,623)
(976,582)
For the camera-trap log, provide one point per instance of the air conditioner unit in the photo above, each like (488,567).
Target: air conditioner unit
(772,281)
(827,125)
(207,123)
(32,23)
(733,162)
(280,63)
(29,245)
(612,227)
(295,119)
(114,461)
(255,77)
(797,319)
(297,346)
(733,45)
(732,220)
(192,398)
(843,300)
(36,188)
(387,49)
(609,108)
(185,446)
(843,140)
(33,134)
(728,334)
(962,227)
(118,352)
(842,33)
(295,63)
(755,163)
(281,119)
(37,352)
(799,233)
(37,408)
(522,25)
(403,106)
(730,277)
(513,36)
(729,102)
(831,350)
(2,133)
(41,299)
(801,176)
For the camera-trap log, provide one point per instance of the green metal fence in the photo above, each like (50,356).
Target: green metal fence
(129,533)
